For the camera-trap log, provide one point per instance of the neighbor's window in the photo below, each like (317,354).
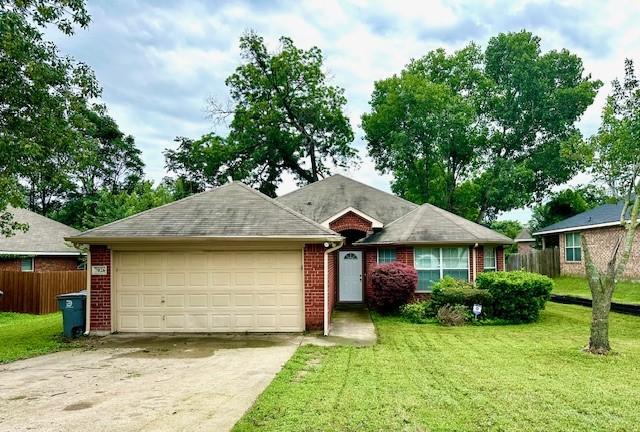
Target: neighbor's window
(573,247)
(26,264)
(489,258)
(432,264)
(386,255)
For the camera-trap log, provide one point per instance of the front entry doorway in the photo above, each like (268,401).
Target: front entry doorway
(350,276)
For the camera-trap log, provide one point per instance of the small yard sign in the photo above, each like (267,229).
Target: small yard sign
(99,270)
(477,310)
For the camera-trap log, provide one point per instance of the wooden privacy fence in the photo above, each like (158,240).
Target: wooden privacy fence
(546,262)
(35,292)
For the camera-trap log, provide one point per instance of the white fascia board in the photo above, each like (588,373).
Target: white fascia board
(578,228)
(34,253)
(374,222)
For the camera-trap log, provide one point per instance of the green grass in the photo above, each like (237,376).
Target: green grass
(25,335)
(427,377)
(625,292)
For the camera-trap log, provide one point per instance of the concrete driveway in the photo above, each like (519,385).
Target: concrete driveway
(168,383)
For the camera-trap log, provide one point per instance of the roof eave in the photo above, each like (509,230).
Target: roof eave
(163,239)
(41,253)
(437,242)
(577,228)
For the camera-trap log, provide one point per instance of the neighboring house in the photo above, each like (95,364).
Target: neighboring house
(525,241)
(42,248)
(234,260)
(601,227)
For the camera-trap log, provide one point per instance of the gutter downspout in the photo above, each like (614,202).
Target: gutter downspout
(326,284)
(87,306)
(475,263)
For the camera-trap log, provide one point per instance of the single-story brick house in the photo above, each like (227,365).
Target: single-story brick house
(525,241)
(601,227)
(41,248)
(234,260)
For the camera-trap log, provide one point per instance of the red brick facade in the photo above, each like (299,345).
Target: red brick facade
(100,304)
(525,247)
(601,242)
(314,286)
(350,221)
(333,280)
(44,263)
(500,258)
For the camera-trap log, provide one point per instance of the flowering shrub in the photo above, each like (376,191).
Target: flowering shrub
(393,286)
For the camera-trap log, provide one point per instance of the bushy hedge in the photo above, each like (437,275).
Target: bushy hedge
(517,296)
(450,291)
(393,286)
(453,315)
(418,312)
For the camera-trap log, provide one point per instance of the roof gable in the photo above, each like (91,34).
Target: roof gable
(324,199)
(232,210)
(606,214)
(43,236)
(429,224)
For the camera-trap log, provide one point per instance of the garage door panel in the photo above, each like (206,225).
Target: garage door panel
(209,291)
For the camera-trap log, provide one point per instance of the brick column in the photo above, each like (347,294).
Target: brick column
(100,320)
(314,286)
(499,258)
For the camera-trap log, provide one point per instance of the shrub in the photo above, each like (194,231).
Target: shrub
(450,291)
(517,296)
(453,315)
(393,286)
(418,312)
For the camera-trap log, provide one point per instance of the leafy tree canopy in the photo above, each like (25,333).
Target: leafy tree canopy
(285,118)
(481,132)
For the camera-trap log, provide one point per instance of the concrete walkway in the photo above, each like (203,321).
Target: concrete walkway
(348,327)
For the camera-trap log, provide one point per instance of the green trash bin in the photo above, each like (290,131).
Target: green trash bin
(73,309)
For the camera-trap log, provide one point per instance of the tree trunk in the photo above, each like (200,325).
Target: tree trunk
(601,305)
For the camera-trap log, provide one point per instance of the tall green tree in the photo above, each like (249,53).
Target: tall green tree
(616,147)
(39,91)
(566,203)
(481,132)
(285,118)
(510,228)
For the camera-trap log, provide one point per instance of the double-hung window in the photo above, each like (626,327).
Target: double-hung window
(573,247)
(386,255)
(432,264)
(489,259)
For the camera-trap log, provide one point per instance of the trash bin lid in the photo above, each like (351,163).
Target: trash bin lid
(82,294)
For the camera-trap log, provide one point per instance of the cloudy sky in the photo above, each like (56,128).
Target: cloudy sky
(159,61)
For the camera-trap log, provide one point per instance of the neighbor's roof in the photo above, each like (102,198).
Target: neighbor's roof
(524,236)
(429,224)
(325,198)
(231,211)
(44,236)
(604,215)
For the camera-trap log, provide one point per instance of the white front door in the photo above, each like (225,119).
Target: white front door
(350,280)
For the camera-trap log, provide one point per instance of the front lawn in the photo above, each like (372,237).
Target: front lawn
(431,378)
(625,292)
(25,335)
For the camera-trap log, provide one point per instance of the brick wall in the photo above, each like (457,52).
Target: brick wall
(500,258)
(525,247)
(314,286)
(43,264)
(479,265)
(101,291)
(350,221)
(333,280)
(601,242)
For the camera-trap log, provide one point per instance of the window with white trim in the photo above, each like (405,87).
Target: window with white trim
(432,264)
(26,264)
(490,262)
(572,247)
(386,255)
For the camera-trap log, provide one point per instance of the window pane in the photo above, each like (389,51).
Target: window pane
(426,279)
(568,238)
(26,264)
(455,258)
(427,258)
(458,274)
(568,254)
(577,239)
(386,255)
(489,258)
(577,254)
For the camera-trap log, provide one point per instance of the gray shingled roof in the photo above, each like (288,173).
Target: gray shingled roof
(323,199)
(429,224)
(232,210)
(44,235)
(607,213)
(524,236)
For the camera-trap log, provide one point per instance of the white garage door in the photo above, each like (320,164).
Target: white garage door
(257,291)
